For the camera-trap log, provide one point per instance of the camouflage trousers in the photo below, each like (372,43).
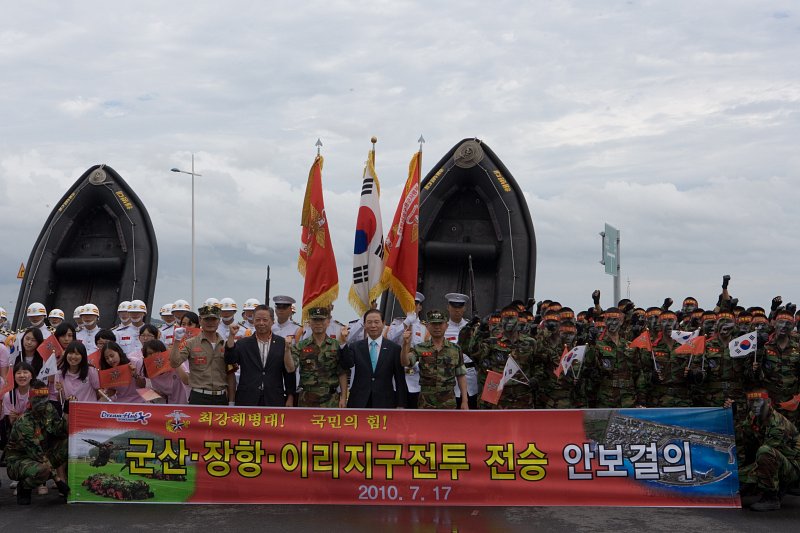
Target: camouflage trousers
(29,473)
(318,398)
(770,471)
(437,400)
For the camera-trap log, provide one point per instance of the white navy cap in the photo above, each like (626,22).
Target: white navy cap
(287,300)
(456,298)
(419,297)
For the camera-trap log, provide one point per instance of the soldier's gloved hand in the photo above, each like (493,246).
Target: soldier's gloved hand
(667,303)
(410,319)
(725,279)
(762,338)
(596,297)
(178,334)
(791,308)
(592,340)
(630,306)
(776,303)
(539,308)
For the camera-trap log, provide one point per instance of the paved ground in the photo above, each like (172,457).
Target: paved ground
(48,514)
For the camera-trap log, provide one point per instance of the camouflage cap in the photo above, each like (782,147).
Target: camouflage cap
(208,311)
(318,312)
(436,317)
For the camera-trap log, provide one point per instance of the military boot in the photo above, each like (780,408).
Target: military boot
(23,496)
(769,502)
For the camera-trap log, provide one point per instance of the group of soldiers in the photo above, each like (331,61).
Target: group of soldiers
(448,357)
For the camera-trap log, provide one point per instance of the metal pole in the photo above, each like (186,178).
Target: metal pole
(617,296)
(193,256)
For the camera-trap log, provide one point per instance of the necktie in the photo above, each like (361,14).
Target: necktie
(264,349)
(373,353)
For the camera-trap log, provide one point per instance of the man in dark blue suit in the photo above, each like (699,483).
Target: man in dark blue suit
(377,363)
(263,379)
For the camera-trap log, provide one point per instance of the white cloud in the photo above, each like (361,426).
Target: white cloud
(76,107)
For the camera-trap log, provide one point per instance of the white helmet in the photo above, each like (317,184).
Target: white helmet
(181,305)
(36,309)
(56,313)
(251,304)
(3,313)
(124,307)
(228,304)
(77,312)
(213,302)
(137,306)
(90,309)
(166,310)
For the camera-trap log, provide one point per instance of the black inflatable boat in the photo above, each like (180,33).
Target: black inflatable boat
(98,246)
(471,206)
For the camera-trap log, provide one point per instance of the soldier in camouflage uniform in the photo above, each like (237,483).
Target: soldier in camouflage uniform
(777,365)
(770,452)
(615,379)
(555,392)
(651,318)
(687,309)
(317,357)
(723,382)
(37,446)
(441,366)
(708,323)
(669,386)
(491,353)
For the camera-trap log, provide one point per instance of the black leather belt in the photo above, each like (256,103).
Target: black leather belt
(470,365)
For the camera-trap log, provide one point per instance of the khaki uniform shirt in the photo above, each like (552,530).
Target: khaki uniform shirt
(207,369)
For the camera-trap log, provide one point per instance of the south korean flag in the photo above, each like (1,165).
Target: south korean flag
(744,345)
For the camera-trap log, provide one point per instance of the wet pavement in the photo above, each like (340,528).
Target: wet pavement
(48,513)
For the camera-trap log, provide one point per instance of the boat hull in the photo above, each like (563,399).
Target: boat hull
(98,245)
(471,206)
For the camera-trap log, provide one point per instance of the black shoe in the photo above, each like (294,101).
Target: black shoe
(769,502)
(23,496)
(63,488)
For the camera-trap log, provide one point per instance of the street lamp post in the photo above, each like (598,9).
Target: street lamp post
(193,174)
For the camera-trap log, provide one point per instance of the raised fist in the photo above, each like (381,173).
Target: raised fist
(179,334)
(233,329)
(596,297)
(776,303)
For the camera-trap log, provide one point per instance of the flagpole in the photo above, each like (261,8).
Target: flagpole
(373,140)
(318,144)
(652,353)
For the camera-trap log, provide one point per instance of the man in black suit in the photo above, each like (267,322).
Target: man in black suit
(263,379)
(377,363)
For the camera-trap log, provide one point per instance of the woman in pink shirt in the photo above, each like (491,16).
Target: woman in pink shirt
(113,355)
(172,384)
(15,401)
(31,339)
(79,381)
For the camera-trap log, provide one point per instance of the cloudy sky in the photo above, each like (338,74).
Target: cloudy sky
(677,122)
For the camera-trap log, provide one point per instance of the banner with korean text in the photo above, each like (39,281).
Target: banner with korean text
(178,453)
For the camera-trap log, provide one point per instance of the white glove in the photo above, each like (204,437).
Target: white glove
(179,334)
(410,319)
